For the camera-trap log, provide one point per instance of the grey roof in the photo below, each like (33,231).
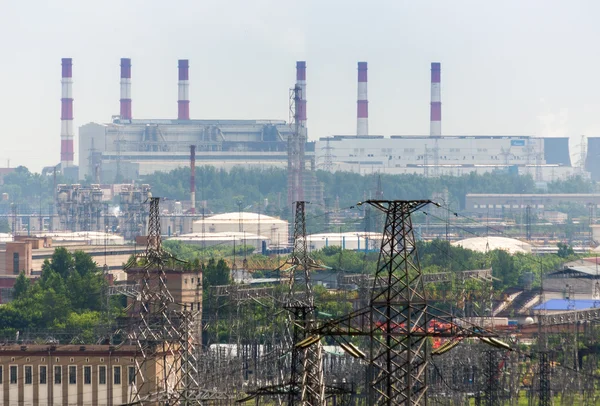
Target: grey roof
(578,269)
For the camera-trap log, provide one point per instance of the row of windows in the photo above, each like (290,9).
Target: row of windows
(506,206)
(72,372)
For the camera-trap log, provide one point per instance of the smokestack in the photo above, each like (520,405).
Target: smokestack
(302,130)
(183,104)
(362,113)
(193,178)
(435,129)
(301,83)
(66,115)
(125,112)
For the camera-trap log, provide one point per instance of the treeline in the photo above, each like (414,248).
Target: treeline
(227,191)
(248,188)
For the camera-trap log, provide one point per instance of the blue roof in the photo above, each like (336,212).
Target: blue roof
(563,304)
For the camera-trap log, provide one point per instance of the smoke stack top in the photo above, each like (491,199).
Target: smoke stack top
(183,104)
(362,113)
(66,114)
(301,84)
(435,129)
(125,111)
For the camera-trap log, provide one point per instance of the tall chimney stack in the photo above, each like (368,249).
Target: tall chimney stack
(66,115)
(125,111)
(183,104)
(362,113)
(301,83)
(302,130)
(193,178)
(435,129)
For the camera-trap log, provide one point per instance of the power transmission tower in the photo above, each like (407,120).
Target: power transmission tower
(545,398)
(163,330)
(306,383)
(309,359)
(528,222)
(327,164)
(398,317)
(491,374)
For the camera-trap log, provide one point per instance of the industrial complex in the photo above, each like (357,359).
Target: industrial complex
(127,148)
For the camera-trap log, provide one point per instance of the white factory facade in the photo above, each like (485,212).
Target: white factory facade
(545,159)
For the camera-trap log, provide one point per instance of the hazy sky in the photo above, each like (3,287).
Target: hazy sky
(508,67)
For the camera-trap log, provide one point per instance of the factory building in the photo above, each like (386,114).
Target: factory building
(545,159)
(356,241)
(49,374)
(127,147)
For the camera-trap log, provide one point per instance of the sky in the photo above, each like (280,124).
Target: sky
(511,67)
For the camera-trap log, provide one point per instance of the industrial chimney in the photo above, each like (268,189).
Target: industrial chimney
(66,115)
(193,178)
(183,104)
(362,112)
(435,129)
(125,111)
(301,83)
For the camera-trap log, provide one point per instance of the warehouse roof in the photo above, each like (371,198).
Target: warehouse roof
(244,216)
(484,244)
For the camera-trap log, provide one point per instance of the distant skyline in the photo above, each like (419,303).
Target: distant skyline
(508,68)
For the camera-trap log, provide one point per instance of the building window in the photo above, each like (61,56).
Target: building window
(43,375)
(131,375)
(117,375)
(87,375)
(57,375)
(13,374)
(102,375)
(28,375)
(16,263)
(1,374)
(72,374)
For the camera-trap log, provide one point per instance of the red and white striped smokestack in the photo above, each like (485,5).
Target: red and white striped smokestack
(183,104)
(66,114)
(435,129)
(193,178)
(301,83)
(362,112)
(125,111)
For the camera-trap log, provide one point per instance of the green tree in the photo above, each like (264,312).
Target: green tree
(21,286)
(216,273)
(564,250)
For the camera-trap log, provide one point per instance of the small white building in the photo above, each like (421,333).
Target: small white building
(353,240)
(273,229)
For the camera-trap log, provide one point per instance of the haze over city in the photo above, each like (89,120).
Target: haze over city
(510,68)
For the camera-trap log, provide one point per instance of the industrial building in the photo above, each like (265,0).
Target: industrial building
(126,148)
(356,241)
(50,374)
(493,204)
(545,159)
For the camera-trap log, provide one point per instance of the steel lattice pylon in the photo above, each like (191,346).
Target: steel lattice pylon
(545,398)
(398,302)
(162,330)
(312,388)
(306,374)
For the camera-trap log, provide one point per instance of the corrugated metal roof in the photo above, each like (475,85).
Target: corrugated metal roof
(564,304)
